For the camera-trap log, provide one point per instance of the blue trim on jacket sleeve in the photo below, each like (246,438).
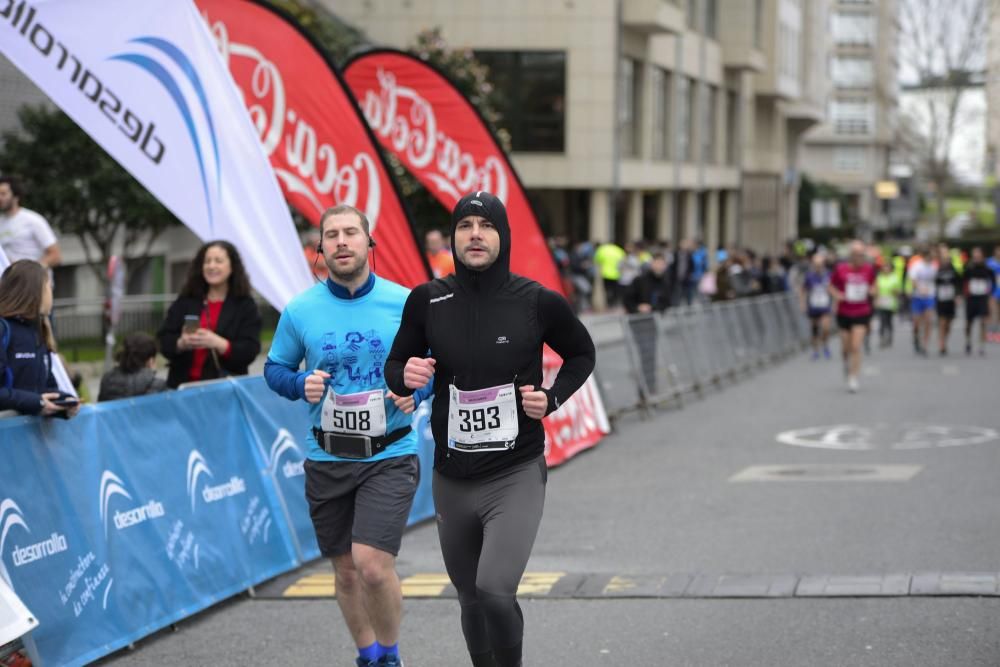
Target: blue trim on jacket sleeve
(422,394)
(285,381)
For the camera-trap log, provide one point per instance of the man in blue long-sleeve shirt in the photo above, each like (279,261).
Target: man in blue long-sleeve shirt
(362,468)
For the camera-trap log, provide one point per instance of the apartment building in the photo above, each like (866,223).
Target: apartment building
(852,149)
(657,119)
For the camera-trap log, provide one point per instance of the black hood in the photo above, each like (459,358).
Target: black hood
(488,206)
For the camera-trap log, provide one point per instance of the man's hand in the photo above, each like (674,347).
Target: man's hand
(645,308)
(404,404)
(418,372)
(535,403)
(316,385)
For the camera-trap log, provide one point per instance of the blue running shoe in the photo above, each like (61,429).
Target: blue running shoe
(365,662)
(389,661)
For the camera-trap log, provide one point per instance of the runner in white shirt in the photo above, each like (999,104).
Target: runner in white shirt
(24,234)
(922,274)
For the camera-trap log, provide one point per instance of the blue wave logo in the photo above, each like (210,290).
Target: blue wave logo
(170,84)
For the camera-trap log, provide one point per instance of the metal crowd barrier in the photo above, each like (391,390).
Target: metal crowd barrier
(648,360)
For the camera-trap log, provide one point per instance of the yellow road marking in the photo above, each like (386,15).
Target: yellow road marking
(313,585)
(538,583)
(619,584)
(424,585)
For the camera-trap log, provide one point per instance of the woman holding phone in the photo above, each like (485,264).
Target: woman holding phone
(27,345)
(212,330)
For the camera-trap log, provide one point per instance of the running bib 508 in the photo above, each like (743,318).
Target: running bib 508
(357,414)
(484,420)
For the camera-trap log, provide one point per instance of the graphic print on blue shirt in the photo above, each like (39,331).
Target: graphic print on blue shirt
(317,327)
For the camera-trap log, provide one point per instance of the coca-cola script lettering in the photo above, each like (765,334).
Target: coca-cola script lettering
(406,120)
(309,170)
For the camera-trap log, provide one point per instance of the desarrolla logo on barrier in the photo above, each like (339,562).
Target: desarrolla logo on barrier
(23,551)
(142,133)
(111,486)
(196,467)
(284,442)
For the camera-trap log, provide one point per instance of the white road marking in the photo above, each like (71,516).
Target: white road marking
(827,472)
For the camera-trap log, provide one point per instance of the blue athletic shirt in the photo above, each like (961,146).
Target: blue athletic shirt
(994,265)
(349,337)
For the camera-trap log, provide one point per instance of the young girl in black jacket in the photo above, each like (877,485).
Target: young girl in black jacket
(27,345)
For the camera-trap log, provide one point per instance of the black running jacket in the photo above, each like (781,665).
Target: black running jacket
(483,329)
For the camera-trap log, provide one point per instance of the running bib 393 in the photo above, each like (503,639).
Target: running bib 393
(358,414)
(483,420)
(979,287)
(856,292)
(945,292)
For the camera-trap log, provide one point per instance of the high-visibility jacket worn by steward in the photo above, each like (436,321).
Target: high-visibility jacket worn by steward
(486,329)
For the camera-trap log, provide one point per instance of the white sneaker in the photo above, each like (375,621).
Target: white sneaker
(852,384)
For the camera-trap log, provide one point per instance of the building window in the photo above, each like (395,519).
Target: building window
(852,71)
(790,51)
(732,127)
(711,21)
(629,122)
(850,159)
(758,23)
(852,116)
(532,86)
(64,282)
(708,129)
(660,82)
(685,113)
(692,14)
(853,29)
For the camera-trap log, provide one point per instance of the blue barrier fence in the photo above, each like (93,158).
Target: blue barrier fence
(141,512)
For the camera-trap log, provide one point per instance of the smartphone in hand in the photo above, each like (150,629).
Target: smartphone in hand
(65,402)
(191,323)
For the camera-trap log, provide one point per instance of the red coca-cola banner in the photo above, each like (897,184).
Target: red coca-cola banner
(423,119)
(579,423)
(318,143)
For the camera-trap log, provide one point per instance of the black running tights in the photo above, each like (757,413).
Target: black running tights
(487,528)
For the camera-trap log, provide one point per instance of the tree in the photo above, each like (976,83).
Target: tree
(339,40)
(80,189)
(942,47)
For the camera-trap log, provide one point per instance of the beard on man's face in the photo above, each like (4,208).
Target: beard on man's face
(348,271)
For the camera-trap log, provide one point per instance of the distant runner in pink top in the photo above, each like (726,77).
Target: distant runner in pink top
(853,287)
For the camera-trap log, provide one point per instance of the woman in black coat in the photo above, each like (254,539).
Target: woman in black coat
(213,328)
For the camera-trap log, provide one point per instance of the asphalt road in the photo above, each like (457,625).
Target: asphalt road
(894,497)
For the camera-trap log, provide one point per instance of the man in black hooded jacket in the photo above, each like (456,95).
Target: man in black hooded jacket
(484,328)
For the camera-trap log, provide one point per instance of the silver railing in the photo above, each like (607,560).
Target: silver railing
(648,360)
